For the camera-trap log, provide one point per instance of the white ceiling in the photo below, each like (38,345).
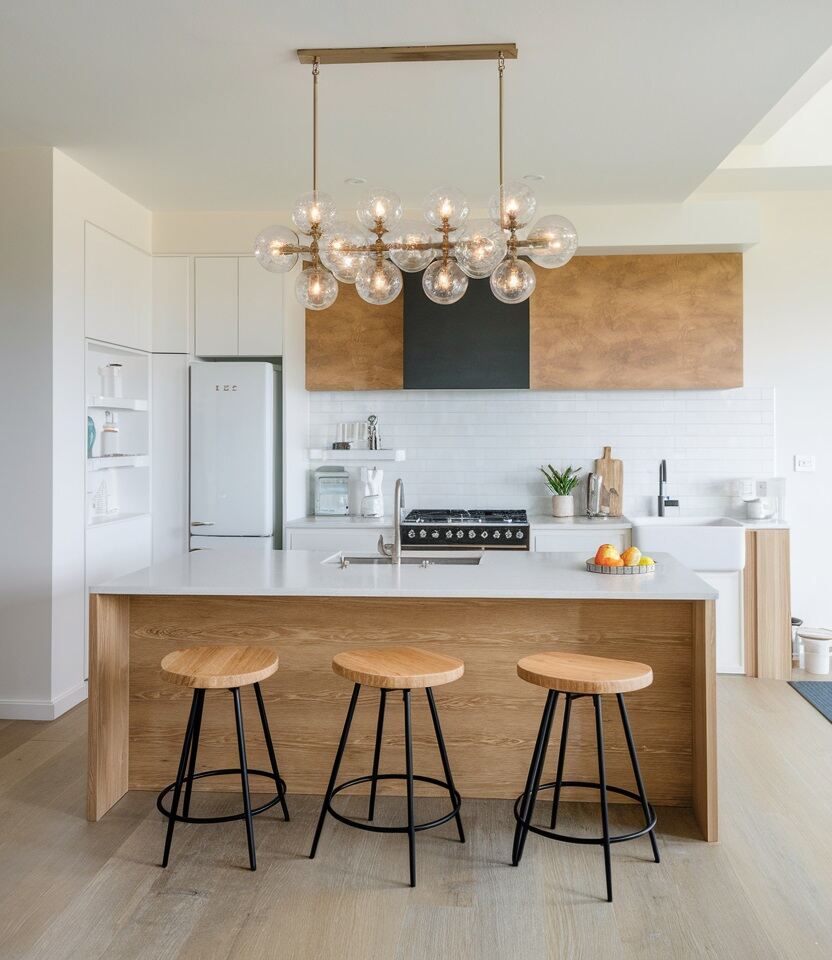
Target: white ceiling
(195,105)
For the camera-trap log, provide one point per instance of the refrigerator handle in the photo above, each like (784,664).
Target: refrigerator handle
(202,523)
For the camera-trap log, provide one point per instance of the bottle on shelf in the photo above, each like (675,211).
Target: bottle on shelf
(109,435)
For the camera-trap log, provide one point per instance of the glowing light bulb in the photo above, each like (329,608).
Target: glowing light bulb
(445,204)
(378,281)
(555,241)
(480,247)
(379,204)
(316,288)
(380,210)
(313,210)
(270,246)
(513,281)
(512,205)
(444,282)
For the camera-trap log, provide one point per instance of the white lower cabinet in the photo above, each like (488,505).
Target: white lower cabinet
(338,538)
(730,638)
(570,540)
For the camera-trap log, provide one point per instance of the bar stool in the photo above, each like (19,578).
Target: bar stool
(405,669)
(207,668)
(576,675)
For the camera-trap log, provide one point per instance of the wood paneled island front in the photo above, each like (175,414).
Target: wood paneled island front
(490,615)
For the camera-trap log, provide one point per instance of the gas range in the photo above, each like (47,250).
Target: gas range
(465,530)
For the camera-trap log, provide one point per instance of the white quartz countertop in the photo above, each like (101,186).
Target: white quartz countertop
(535,520)
(301,573)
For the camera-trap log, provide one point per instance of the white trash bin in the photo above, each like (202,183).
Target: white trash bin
(816,646)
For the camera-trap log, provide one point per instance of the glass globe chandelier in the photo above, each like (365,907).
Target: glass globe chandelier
(373,255)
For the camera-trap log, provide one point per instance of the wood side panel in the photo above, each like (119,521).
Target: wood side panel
(638,321)
(355,346)
(490,716)
(705,797)
(749,603)
(774,644)
(108,705)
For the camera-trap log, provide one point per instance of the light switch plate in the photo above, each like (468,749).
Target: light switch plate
(804,463)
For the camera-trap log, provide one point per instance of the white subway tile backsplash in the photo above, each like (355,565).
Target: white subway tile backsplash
(479,448)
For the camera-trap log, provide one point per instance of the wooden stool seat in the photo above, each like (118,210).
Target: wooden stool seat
(397,668)
(219,665)
(579,673)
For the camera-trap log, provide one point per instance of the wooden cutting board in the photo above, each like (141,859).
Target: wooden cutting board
(612,472)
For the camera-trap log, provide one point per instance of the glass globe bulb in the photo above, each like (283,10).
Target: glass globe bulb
(336,250)
(479,248)
(445,203)
(316,288)
(269,245)
(444,282)
(378,282)
(512,203)
(379,203)
(513,281)
(313,209)
(558,238)
(409,260)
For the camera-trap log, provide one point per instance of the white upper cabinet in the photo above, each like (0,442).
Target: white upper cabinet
(238,308)
(261,310)
(171,304)
(215,282)
(117,290)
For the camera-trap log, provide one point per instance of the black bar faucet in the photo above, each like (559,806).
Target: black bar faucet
(664,501)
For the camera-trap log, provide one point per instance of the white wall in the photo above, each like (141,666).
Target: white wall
(25,428)
(788,345)
(482,448)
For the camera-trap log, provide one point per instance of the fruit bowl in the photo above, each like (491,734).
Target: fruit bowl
(639,568)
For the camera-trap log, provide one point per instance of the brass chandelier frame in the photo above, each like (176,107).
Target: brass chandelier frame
(378,248)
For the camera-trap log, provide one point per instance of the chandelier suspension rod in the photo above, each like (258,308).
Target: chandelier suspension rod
(315,71)
(501,68)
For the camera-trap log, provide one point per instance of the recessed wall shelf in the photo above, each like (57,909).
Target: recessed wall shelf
(116,403)
(108,463)
(356,456)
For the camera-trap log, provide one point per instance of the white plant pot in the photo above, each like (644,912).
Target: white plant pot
(563,506)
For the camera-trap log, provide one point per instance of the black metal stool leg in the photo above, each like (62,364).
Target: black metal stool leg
(335,767)
(602,783)
(180,776)
(186,804)
(567,710)
(377,754)
(533,779)
(443,753)
(241,746)
(408,756)
(637,773)
(264,720)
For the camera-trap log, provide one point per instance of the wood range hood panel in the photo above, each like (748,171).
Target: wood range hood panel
(638,322)
(355,346)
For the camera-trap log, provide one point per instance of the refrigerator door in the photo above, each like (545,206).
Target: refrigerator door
(264,544)
(232,449)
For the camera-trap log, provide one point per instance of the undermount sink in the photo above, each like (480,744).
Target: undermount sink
(410,560)
(701,543)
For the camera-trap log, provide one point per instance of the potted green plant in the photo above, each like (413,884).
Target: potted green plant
(561,484)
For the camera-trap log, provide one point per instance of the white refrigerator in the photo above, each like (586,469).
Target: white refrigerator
(233,468)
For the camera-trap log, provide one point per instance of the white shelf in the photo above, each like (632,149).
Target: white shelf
(356,456)
(109,463)
(116,403)
(115,518)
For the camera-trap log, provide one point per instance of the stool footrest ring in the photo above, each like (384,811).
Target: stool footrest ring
(281,792)
(427,825)
(615,838)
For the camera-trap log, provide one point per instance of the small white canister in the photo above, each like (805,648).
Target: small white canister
(110,375)
(816,644)
(109,435)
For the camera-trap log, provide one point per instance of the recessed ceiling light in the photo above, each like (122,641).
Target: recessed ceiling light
(355,180)
(533,177)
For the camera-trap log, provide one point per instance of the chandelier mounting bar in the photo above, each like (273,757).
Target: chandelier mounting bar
(424,54)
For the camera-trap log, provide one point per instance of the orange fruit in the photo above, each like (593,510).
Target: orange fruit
(631,557)
(606,552)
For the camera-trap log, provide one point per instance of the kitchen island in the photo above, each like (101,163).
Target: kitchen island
(308,607)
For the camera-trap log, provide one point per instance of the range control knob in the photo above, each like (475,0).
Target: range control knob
(496,534)
(459,534)
(411,534)
(508,534)
(422,534)
(484,534)
(471,534)
(519,534)
(449,534)
(435,535)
